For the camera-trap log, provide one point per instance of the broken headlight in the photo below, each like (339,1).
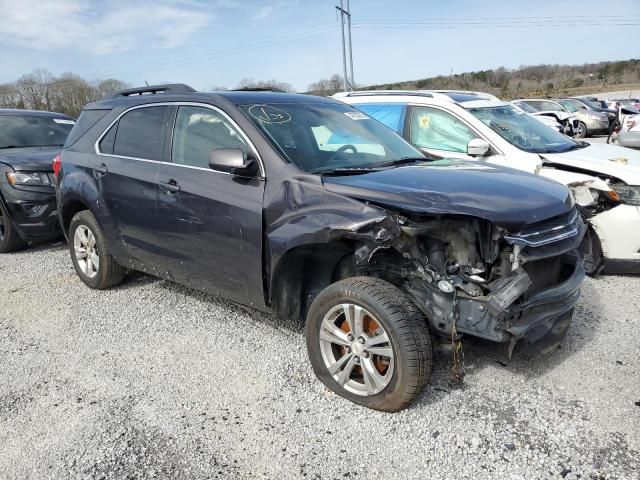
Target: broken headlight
(627,194)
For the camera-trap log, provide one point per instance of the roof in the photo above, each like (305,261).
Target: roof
(184,93)
(251,97)
(446,95)
(31,113)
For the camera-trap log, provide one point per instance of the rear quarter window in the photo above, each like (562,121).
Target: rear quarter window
(87,119)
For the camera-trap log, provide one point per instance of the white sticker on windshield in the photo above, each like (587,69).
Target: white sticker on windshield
(66,121)
(356,115)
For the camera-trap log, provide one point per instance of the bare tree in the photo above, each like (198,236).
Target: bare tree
(70,93)
(273,83)
(110,86)
(326,86)
(35,90)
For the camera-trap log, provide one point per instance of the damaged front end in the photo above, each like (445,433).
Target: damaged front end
(470,276)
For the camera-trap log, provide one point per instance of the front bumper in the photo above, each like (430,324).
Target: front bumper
(541,320)
(629,139)
(32,211)
(618,230)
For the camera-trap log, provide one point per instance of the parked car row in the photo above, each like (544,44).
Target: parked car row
(313,209)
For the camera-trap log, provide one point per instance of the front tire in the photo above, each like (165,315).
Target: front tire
(10,241)
(90,253)
(369,343)
(594,259)
(581,130)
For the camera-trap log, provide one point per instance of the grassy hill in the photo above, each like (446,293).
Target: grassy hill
(537,80)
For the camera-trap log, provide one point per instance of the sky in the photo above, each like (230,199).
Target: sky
(215,43)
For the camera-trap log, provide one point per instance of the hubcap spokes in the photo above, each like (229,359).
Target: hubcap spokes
(356,349)
(86,251)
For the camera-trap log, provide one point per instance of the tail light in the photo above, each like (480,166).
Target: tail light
(57,164)
(631,124)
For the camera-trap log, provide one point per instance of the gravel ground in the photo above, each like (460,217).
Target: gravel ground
(151,380)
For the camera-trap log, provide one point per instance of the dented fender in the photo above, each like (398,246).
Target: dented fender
(308,214)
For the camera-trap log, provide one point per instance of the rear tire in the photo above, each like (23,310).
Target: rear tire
(90,253)
(383,361)
(10,241)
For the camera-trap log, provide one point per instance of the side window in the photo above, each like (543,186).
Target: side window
(391,115)
(200,130)
(433,128)
(106,144)
(140,133)
(549,106)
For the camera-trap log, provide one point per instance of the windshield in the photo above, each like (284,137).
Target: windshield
(17,131)
(526,108)
(591,103)
(523,131)
(572,106)
(320,137)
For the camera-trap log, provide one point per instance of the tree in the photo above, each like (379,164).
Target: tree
(273,83)
(327,86)
(110,86)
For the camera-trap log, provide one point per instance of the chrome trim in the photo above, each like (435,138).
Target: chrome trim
(569,226)
(189,104)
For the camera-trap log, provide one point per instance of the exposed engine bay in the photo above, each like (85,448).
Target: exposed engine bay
(469,276)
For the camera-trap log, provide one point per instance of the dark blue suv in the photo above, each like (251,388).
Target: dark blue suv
(29,140)
(309,208)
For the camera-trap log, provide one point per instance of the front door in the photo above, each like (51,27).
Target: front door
(210,221)
(438,133)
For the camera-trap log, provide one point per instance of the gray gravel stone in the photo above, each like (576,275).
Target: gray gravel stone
(152,380)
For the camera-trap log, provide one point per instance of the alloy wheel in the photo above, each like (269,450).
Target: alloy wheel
(356,349)
(86,251)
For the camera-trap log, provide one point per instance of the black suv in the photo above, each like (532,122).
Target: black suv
(307,207)
(29,140)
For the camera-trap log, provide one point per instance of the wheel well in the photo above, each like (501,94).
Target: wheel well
(302,273)
(69,210)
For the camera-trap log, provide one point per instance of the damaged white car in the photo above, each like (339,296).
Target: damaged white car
(605,179)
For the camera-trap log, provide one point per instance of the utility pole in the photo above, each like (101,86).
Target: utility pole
(347,82)
(353,82)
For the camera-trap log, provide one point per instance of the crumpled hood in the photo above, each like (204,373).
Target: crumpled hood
(619,162)
(509,198)
(32,159)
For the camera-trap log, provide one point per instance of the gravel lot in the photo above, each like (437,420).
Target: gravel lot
(151,380)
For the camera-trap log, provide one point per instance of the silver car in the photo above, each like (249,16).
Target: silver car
(589,122)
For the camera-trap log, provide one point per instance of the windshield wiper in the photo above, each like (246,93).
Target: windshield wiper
(402,161)
(347,171)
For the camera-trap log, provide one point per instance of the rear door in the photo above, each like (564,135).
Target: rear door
(126,168)
(210,221)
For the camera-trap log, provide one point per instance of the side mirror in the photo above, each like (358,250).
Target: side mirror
(478,147)
(233,161)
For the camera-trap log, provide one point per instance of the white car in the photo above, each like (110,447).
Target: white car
(629,135)
(605,179)
(563,122)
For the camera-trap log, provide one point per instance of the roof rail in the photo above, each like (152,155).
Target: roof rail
(365,93)
(153,89)
(258,89)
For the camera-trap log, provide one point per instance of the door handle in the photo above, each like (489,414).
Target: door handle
(102,170)
(170,187)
